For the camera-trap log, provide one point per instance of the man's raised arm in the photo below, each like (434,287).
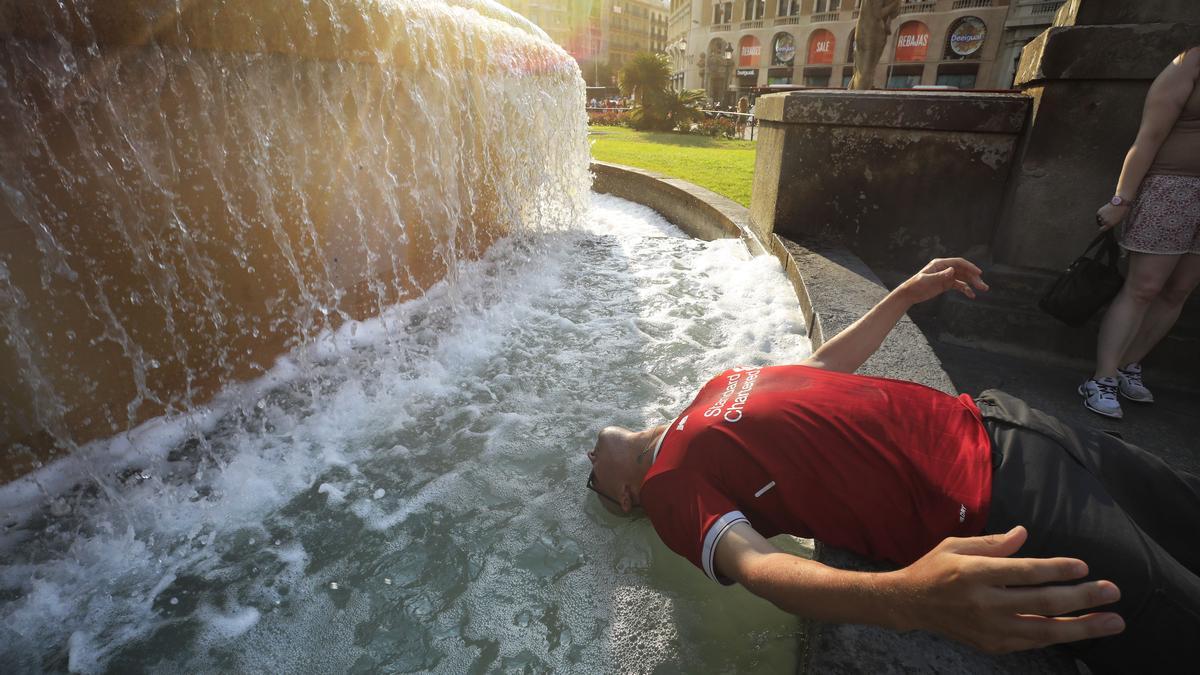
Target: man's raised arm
(854,345)
(967,589)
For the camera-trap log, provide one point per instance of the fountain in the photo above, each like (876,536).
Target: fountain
(191,188)
(311,316)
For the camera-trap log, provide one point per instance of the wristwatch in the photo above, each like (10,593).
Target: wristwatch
(1118,200)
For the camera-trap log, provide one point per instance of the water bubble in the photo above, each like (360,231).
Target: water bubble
(174,601)
(152,364)
(379,493)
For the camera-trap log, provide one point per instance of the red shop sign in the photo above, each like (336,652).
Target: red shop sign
(820,47)
(912,42)
(749,52)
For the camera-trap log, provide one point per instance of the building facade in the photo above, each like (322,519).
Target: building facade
(632,26)
(684,33)
(967,44)
(602,35)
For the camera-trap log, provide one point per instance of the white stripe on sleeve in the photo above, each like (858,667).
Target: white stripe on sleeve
(712,537)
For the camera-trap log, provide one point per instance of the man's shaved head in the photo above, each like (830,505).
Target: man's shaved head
(619,463)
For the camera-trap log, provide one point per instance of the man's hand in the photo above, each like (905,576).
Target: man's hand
(941,275)
(971,591)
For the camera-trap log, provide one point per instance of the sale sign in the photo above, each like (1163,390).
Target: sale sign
(912,42)
(820,47)
(749,52)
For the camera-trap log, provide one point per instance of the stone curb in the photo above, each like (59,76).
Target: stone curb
(697,211)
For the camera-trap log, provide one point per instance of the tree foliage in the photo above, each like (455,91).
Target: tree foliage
(645,72)
(656,107)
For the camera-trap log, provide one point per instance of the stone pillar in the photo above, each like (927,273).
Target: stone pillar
(898,176)
(1087,76)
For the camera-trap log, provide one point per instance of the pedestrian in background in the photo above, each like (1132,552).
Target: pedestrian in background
(1158,199)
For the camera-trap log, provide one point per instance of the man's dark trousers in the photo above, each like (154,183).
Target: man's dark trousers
(1133,519)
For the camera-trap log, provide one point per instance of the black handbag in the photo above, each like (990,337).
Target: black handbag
(1087,285)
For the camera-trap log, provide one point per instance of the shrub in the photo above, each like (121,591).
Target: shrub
(608,118)
(718,126)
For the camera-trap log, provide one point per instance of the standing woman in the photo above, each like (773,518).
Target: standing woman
(1158,198)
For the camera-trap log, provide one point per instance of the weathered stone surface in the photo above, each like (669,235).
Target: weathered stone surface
(1067,167)
(926,110)
(1134,51)
(1107,12)
(899,178)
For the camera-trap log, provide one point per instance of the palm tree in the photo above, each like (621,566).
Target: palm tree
(683,108)
(645,72)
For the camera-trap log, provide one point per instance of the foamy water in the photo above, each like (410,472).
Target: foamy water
(413,500)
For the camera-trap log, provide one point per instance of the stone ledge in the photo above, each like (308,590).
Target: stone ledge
(1123,52)
(908,109)
(701,213)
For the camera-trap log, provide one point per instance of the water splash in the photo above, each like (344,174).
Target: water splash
(416,504)
(189,188)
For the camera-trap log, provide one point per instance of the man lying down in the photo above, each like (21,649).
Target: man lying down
(1012,529)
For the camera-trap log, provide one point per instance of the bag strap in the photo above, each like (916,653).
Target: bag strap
(1107,243)
(1109,248)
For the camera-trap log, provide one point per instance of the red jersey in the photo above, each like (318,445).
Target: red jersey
(881,467)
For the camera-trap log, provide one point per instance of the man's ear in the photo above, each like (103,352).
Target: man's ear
(626,498)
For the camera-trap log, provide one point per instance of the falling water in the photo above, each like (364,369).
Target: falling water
(189,188)
(313,303)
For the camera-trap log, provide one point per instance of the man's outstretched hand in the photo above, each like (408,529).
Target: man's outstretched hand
(941,275)
(968,589)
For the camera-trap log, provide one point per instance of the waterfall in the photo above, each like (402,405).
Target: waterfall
(189,188)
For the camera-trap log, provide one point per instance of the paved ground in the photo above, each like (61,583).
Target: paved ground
(1170,427)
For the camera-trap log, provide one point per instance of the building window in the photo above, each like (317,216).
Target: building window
(822,6)
(723,12)
(959,75)
(754,10)
(788,8)
(904,77)
(817,77)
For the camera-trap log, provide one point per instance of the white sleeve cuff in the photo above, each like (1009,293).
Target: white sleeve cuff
(712,537)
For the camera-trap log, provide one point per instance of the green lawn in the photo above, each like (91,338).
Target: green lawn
(722,165)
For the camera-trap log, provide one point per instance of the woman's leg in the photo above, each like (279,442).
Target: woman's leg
(1148,274)
(1164,311)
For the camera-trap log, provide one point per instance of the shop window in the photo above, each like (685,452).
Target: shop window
(959,75)
(850,47)
(904,77)
(817,77)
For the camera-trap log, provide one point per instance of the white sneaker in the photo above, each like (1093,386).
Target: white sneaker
(1100,396)
(1131,386)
